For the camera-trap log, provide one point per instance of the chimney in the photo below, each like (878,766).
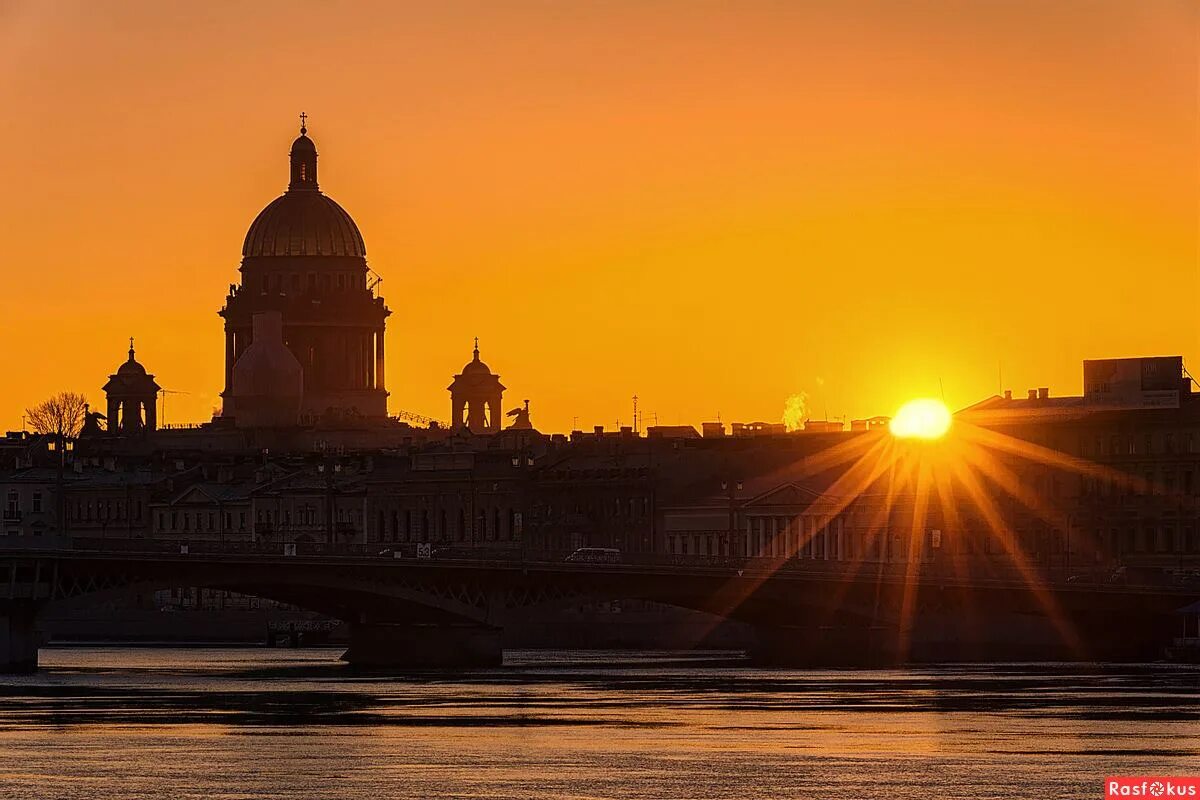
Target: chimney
(1008,394)
(598,429)
(1032,394)
(1043,393)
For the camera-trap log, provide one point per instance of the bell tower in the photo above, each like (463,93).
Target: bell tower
(475,397)
(131,393)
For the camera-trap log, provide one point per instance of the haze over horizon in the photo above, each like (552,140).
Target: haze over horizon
(712,207)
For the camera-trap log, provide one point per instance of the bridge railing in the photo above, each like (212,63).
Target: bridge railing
(976,572)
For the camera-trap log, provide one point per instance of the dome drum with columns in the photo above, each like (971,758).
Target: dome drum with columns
(304,258)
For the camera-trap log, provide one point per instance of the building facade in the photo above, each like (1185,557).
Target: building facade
(304,258)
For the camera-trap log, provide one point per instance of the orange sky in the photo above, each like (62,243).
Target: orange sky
(713,205)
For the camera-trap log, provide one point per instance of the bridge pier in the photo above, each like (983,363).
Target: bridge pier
(19,640)
(832,647)
(408,645)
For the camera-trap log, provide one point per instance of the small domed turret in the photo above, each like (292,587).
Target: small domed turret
(475,397)
(131,393)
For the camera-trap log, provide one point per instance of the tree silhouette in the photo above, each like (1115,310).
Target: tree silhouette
(61,414)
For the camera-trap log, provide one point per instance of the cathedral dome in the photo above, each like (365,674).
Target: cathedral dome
(303,222)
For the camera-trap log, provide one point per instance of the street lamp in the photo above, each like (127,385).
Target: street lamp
(731,488)
(62,445)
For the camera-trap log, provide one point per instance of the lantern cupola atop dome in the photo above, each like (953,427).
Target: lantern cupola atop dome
(304,161)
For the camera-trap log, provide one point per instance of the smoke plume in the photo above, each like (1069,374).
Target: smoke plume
(795,411)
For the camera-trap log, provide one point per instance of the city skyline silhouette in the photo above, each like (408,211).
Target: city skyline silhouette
(858,222)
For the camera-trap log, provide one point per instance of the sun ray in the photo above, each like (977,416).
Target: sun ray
(1046,456)
(915,554)
(847,486)
(1003,535)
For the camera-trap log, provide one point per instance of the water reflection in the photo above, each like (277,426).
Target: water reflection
(109,723)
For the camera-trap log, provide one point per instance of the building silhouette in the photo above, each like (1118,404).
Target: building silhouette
(131,393)
(305,259)
(475,397)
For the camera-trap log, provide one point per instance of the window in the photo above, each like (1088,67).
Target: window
(37,502)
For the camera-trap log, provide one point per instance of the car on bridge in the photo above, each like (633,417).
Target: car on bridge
(595,555)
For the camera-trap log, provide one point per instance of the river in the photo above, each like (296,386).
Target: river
(102,722)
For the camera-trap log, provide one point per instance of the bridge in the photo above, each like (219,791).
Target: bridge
(449,611)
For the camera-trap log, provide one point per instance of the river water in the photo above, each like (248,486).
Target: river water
(258,723)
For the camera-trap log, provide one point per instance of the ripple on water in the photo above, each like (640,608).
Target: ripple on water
(224,723)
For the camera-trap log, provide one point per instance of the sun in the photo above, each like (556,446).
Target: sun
(923,418)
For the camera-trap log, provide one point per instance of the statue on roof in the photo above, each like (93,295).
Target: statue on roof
(91,423)
(520,419)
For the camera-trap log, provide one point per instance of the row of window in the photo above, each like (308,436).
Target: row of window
(418,526)
(295,283)
(612,507)
(103,511)
(12,506)
(199,521)
(1148,482)
(1167,443)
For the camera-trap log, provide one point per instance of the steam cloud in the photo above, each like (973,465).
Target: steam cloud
(795,411)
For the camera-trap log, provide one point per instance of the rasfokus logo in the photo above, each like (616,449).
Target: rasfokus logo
(1152,786)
